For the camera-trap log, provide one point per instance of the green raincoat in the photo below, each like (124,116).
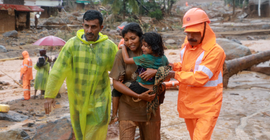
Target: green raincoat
(85,64)
(41,76)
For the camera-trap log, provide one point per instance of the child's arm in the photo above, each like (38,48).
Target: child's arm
(126,58)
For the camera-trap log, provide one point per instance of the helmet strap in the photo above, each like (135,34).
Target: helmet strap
(203,32)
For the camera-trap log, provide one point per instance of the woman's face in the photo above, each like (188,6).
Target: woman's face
(132,41)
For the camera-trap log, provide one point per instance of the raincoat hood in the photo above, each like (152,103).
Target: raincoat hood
(209,39)
(101,37)
(25,54)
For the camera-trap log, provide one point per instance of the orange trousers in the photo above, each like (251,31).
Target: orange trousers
(26,89)
(201,128)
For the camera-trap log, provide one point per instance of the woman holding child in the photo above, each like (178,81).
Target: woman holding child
(132,103)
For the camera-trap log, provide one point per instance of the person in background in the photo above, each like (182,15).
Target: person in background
(84,62)
(26,74)
(43,68)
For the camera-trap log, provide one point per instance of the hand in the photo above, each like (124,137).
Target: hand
(170,75)
(145,96)
(149,73)
(49,102)
(121,78)
(171,64)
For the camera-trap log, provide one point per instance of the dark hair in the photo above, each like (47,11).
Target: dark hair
(134,28)
(154,40)
(93,14)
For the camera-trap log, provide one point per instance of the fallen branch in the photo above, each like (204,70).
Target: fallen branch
(264,113)
(15,58)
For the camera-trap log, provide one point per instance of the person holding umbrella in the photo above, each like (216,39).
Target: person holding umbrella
(84,62)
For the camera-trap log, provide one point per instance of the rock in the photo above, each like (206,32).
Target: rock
(80,18)
(60,129)
(237,41)
(13,33)
(232,49)
(54,21)
(250,38)
(170,41)
(113,32)
(13,116)
(265,26)
(3,49)
(16,134)
(22,43)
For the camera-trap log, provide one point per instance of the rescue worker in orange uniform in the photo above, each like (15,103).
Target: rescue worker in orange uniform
(26,74)
(200,76)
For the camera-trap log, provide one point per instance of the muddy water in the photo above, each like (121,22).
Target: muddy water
(245,113)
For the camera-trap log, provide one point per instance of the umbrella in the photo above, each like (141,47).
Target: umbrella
(50,41)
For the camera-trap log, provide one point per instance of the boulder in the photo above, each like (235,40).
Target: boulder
(16,134)
(170,41)
(3,49)
(13,33)
(54,21)
(58,130)
(232,49)
(13,116)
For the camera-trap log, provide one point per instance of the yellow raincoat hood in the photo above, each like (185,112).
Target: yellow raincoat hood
(101,37)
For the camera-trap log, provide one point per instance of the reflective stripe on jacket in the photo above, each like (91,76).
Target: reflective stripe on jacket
(26,67)
(200,76)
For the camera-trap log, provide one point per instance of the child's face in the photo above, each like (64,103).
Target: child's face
(146,48)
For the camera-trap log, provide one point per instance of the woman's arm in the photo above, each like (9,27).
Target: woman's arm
(125,90)
(126,58)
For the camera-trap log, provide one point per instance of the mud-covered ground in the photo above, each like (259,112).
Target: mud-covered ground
(245,112)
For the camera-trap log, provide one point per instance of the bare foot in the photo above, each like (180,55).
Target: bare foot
(114,119)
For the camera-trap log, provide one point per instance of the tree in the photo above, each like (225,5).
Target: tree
(117,4)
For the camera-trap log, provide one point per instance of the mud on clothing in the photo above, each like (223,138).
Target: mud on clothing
(85,64)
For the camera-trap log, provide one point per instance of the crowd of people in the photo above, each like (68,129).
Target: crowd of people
(138,68)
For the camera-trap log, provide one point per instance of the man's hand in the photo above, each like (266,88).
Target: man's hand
(121,78)
(170,75)
(149,73)
(145,96)
(171,64)
(49,102)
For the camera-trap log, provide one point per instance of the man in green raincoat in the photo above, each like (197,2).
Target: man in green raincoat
(85,61)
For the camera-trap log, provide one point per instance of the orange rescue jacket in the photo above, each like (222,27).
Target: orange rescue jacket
(200,76)
(26,68)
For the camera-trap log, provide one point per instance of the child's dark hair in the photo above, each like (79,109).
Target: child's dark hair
(154,40)
(134,28)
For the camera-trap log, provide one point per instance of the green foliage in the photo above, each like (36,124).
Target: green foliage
(156,14)
(118,6)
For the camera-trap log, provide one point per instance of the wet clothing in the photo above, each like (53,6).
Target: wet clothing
(26,71)
(200,76)
(128,109)
(148,130)
(41,76)
(85,64)
(150,61)
(134,86)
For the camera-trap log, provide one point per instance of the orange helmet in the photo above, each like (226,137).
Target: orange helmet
(194,16)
